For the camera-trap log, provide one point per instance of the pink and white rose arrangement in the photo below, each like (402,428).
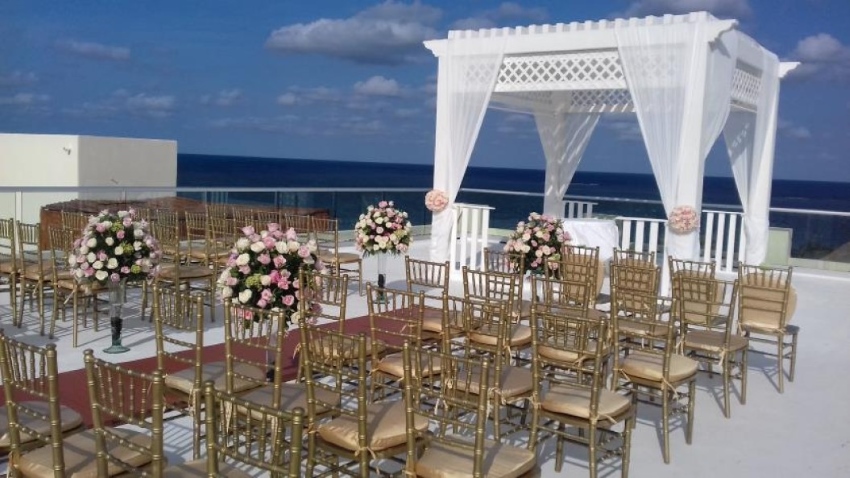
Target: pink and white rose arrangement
(114,247)
(436,200)
(683,220)
(539,239)
(383,229)
(263,267)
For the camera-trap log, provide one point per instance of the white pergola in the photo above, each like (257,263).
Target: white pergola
(686,77)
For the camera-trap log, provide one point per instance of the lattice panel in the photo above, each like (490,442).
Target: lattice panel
(602,101)
(745,88)
(562,71)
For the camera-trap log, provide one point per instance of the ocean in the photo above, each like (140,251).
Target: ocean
(815,236)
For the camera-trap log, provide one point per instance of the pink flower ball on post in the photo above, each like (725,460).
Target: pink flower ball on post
(683,220)
(436,200)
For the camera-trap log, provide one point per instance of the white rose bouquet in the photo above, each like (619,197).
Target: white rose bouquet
(114,247)
(262,270)
(383,229)
(539,239)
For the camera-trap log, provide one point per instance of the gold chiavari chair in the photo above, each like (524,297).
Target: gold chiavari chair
(506,290)
(265,216)
(9,266)
(637,284)
(121,395)
(222,237)
(66,287)
(35,273)
(488,331)
(253,341)
(354,432)
(76,221)
(501,261)
(766,303)
(302,224)
(706,310)
(646,361)
(572,290)
(326,234)
(190,277)
(327,298)
(581,263)
(179,327)
(633,258)
(250,436)
(196,237)
(33,413)
(433,279)
(393,321)
(243,216)
(457,414)
(218,210)
(570,355)
(687,268)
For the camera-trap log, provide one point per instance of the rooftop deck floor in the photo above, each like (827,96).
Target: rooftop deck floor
(803,432)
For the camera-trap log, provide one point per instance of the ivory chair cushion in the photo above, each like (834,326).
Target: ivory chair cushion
(519,335)
(198,468)
(501,460)
(69,417)
(6,267)
(432,320)
(79,451)
(292,395)
(650,366)
(575,401)
(217,372)
(713,341)
(394,365)
(554,352)
(515,381)
(769,318)
(385,427)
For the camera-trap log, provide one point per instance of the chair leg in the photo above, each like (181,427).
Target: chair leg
(744,354)
(665,423)
(793,357)
(627,446)
(779,361)
(692,397)
(727,378)
(591,440)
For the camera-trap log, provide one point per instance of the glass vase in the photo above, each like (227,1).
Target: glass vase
(382,277)
(117,297)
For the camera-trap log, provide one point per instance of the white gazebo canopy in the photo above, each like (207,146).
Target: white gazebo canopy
(686,77)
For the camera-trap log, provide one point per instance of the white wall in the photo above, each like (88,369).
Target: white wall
(28,160)
(36,160)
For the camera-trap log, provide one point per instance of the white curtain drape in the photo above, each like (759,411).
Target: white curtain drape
(750,141)
(680,85)
(564,138)
(466,78)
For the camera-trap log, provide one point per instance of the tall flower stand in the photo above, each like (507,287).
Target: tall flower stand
(382,277)
(117,296)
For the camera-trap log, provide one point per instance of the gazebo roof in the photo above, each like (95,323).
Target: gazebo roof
(544,62)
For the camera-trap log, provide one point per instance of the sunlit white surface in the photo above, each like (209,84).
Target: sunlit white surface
(802,432)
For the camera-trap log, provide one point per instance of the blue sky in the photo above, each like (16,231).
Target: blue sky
(350,80)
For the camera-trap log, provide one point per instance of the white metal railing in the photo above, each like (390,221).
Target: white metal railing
(470,233)
(723,240)
(578,209)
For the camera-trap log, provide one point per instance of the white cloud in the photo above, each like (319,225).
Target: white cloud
(378,86)
(287,99)
(122,102)
(94,50)
(24,99)
(507,12)
(389,33)
(223,98)
(822,57)
(794,131)
(720,8)
(407,112)
(18,78)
